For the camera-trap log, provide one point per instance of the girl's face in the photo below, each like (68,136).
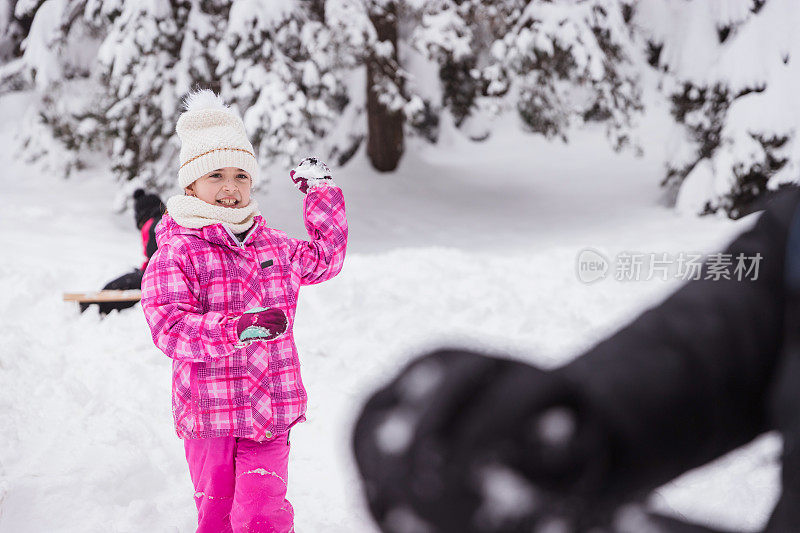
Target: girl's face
(228,187)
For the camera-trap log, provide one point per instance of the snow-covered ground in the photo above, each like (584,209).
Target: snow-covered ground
(476,248)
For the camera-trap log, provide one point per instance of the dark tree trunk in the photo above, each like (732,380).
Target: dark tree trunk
(317,8)
(384,127)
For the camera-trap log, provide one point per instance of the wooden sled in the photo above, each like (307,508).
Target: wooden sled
(132,295)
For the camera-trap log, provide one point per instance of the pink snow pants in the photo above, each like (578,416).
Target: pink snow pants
(240,484)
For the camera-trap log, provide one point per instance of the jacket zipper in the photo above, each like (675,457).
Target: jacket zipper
(238,243)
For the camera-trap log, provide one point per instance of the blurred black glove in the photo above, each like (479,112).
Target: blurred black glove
(461,442)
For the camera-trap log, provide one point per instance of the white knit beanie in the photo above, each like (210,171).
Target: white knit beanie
(212,137)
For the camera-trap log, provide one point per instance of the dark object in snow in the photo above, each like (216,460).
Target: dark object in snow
(131,280)
(465,442)
(146,206)
(147,210)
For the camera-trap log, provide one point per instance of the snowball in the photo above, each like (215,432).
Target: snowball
(312,170)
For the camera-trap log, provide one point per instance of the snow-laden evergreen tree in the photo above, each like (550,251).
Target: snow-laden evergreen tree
(565,64)
(276,62)
(55,55)
(273,59)
(15,23)
(104,74)
(385,104)
(732,73)
(144,78)
(457,36)
(305,74)
(559,64)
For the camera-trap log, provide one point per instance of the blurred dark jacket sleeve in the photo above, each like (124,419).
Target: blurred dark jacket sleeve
(689,380)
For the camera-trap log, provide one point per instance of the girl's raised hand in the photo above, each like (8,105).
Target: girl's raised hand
(311,172)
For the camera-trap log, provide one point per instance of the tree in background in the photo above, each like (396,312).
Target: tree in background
(457,37)
(56,50)
(731,69)
(560,65)
(276,61)
(15,23)
(313,75)
(151,54)
(106,79)
(384,102)
(118,87)
(384,120)
(583,69)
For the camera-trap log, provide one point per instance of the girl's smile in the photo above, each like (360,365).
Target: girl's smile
(228,187)
(228,201)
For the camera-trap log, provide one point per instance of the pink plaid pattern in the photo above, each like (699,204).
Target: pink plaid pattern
(194,289)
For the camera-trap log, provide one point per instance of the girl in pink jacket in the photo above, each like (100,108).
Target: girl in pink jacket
(219,296)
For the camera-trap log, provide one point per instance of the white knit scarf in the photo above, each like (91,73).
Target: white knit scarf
(192,212)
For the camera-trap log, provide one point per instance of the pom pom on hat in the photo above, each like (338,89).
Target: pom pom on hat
(203,99)
(212,136)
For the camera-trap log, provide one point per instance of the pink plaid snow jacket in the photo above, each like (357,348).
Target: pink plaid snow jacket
(196,286)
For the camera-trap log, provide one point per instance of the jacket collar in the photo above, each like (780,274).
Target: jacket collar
(215,233)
